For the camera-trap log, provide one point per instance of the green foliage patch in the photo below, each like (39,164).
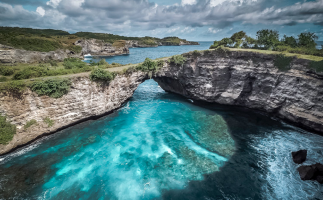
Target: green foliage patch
(70,63)
(29,124)
(3,79)
(49,122)
(7,130)
(317,66)
(55,88)
(101,75)
(148,65)
(13,87)
(6,70)
(282,62)
(178,60)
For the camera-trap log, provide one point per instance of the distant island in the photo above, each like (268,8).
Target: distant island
(27,45)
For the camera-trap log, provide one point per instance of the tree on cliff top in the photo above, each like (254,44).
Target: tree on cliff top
(307,40)
(268,38)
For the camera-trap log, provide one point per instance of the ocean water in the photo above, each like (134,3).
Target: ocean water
(160,145)
(138,55)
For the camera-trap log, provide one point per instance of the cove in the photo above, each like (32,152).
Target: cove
(163,146)
(138,55)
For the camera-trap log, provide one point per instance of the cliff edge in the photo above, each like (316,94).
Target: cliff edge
(250,80)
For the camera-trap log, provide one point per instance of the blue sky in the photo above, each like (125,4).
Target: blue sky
(200,20)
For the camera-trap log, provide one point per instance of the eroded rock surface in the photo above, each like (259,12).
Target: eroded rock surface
(9,55)
(251,80)
(100,48)
(85,99)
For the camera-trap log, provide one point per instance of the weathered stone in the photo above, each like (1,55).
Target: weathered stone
(100,48)
(307,172)
(299,156)
(251,80)
(85,99)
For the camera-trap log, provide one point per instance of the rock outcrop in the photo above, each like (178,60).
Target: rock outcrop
(299,156)
(9,55)
(251,80)
(100,48)
(311,172)
(85,100)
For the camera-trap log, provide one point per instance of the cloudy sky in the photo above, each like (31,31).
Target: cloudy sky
(200,20)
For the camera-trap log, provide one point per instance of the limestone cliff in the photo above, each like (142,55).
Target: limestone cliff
(9,55)
(100,48)
(250,80)
(85,100)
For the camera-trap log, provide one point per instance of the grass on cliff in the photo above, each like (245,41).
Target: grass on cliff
(29,124)
(55,88)
(49,122)
(7,130)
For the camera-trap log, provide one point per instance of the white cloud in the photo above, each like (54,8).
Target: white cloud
(53,3)
(214,31)
(188,2)
(40,11)
(187,30)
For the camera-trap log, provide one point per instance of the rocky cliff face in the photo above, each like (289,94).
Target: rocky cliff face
(85,99)
(99,48)
(9,55)
(250,80)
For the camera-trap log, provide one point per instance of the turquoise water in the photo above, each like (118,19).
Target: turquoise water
(163,146)
(138,55)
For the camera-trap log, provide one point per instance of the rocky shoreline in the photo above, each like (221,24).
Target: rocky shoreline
(250,80)
(244,79)
(85,100)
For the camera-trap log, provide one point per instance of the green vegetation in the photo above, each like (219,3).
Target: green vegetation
(49,122)
(70,63)
(55,88)
(46,40)
(6,71)
(282,62)
(30,123)
(3,79)
(101,75)
(13,87)
(148,65)
(7,130)
(269,40)
(69,66)
(317,66)
(178,60)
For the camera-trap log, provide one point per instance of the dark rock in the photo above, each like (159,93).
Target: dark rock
(319,179)
(311,172)
(299,156)
(307,172)
(319,168)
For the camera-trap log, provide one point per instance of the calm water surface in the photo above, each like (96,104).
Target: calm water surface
(163,146)
(138,55)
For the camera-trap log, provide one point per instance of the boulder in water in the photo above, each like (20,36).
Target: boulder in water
(299,156)
(311,172)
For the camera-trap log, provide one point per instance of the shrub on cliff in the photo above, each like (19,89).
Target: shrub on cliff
(148,65)
(317,66)
(54,88)
(101,75)
(30,72)
(13,87)
(70,63)
(30,123)
(282,62)
(6,71)
(7,130)
(178,60)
